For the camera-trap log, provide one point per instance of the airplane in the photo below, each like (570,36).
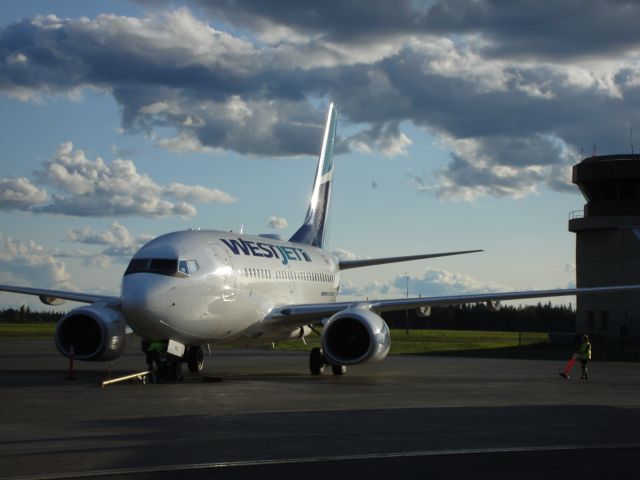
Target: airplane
(192,288)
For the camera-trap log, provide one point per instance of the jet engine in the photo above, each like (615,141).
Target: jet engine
(355,335)
(95,333)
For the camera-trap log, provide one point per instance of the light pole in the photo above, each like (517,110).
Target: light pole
(406,319)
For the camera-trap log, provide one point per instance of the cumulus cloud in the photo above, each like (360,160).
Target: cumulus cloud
(351,290)
(432,283)
(84,187)
(513,90)
(343,254)
(277,222)
(198,193)
(442,282)
(504,166)
(384,138)
(19,193)
(118,240)
(28,263)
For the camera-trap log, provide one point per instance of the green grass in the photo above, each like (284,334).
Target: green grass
(437,341)
(425,342)
(27,329)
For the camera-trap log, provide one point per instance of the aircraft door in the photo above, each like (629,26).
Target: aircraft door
(228,274)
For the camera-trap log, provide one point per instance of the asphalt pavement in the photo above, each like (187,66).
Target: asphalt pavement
(262,414)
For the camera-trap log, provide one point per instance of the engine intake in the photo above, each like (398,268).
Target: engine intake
(95,333)
(355,336)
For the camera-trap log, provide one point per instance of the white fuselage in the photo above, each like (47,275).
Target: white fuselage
(208,286)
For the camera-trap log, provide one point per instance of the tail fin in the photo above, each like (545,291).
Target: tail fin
(312,230)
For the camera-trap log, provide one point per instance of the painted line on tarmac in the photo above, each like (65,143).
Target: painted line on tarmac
(315,459)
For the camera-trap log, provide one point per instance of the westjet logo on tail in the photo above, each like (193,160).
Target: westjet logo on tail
(266,250)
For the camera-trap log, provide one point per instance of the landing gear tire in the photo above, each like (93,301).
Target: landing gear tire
(195,359)
(338,369)
(316,361)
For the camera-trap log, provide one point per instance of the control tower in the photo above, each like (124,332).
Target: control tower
(608,247)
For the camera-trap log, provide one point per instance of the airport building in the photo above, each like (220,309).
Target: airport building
(608,247)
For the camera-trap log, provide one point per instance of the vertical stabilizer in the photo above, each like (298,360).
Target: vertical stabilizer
(312,230)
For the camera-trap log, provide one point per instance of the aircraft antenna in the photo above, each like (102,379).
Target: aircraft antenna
(241,228)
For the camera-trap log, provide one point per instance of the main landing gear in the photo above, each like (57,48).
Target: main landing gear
(317,363)
(195,359)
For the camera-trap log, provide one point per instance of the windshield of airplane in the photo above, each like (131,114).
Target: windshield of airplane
(163,266)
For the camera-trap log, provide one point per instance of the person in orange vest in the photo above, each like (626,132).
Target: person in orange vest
(584,355)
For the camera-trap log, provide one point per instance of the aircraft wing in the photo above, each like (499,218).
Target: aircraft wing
(54,297)
(299,315)
(346,264)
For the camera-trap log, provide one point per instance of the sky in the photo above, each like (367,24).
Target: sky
(459,122)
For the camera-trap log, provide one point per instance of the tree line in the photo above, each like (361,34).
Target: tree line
(535,318)
(531,318)
(25,315)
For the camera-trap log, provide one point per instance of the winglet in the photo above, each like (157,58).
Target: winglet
(312,230)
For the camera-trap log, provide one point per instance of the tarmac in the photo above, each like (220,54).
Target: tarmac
(261,414)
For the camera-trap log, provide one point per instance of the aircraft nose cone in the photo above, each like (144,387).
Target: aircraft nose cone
(144,299)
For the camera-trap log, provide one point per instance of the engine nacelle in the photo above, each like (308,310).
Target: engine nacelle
(95,333)
(355,336)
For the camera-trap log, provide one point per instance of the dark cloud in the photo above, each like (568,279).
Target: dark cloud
(554,30)
(513,89)
(510,27)
(334,20)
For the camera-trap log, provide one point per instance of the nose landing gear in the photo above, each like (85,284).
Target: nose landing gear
(164,366)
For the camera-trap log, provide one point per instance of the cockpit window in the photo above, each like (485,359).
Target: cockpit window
(163,266)
(193,266)
(183,267)
(188,267)
(138,265)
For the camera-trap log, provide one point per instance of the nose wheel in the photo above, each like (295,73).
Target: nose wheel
(164,367)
